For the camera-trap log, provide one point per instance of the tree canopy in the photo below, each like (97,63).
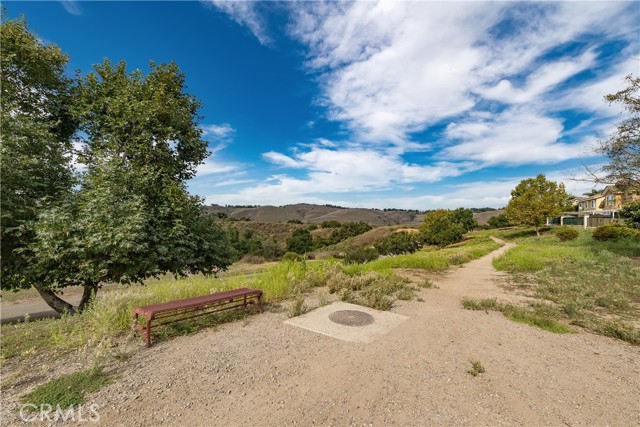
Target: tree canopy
(440,228)
(535,199)
(35,155)
(623,147)
(128,216)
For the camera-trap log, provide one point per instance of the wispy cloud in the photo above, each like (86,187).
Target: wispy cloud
(392,69)
(496,80)
(71,6)
(222,132)
(245,13)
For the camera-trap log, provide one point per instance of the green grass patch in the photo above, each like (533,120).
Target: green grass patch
(68,390)
(540,315)
(430,258)
(593,284)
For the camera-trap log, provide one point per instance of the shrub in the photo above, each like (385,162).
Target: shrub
(312,227)
(294,221)
(465,218)
(631,214)
(398,244)
(271,250)
(300,242)
(614,231)
(499,221)
(566,233)
(360,255)
(330,224)
(439,229)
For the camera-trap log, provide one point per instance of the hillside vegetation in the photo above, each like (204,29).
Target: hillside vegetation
(316,214)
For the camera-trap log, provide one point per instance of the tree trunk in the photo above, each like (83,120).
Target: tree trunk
(59,305)
(88,294)
(537,231)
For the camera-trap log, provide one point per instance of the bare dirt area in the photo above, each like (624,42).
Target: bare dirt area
(266,373)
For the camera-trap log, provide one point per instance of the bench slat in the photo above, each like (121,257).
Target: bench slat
(198,306)
(197,301)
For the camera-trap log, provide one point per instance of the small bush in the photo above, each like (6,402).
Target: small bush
(294,221)
(331,224)
(359,255)
(631,215)
(565,234)
(499,221)
(439,229)
(300,241)
(398,244)
(614,231)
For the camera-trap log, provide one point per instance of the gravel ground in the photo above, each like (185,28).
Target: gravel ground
(261,372)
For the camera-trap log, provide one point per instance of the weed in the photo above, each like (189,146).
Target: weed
(67,390)
(484,304)
(476,368)
(427,284)
(542,316)
(405,294)
(298,307)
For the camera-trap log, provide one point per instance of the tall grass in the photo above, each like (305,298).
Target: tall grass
(429,258)
(595,284)
(372,284)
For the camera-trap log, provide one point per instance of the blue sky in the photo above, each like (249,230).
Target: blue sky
(415,105)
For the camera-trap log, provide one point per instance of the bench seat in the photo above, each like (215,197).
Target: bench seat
(174,311)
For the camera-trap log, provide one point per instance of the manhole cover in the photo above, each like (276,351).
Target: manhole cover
(351,317)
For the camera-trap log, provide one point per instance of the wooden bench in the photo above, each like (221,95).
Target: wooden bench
(175,311)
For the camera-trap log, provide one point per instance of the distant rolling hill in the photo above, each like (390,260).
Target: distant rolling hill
(484,217)
(316,214)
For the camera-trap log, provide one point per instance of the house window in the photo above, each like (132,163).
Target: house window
(592,204)
(611,199)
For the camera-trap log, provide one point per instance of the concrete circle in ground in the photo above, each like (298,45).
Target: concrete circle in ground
(351,317)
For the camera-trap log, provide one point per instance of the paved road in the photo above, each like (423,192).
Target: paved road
(10,313)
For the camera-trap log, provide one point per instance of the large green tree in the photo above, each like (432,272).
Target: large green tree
(35,157)
(131,216)
(535,199)
(440,228)
(623,146)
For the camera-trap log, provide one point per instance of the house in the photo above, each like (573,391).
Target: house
(610,201)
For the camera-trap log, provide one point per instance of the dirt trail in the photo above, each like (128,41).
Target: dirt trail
(264,372)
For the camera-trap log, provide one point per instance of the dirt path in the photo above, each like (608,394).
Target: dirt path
(263,372)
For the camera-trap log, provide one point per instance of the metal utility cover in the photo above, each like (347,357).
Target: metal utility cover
(363,328)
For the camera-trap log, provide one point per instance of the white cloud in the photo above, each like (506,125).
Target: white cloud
(246,14)
(214,166)
(389,69)
(71,6)
(514,137)
(493,73)
(230,182)
(538,82)
(221,132)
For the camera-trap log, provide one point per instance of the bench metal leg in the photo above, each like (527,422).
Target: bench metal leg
(147,332)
